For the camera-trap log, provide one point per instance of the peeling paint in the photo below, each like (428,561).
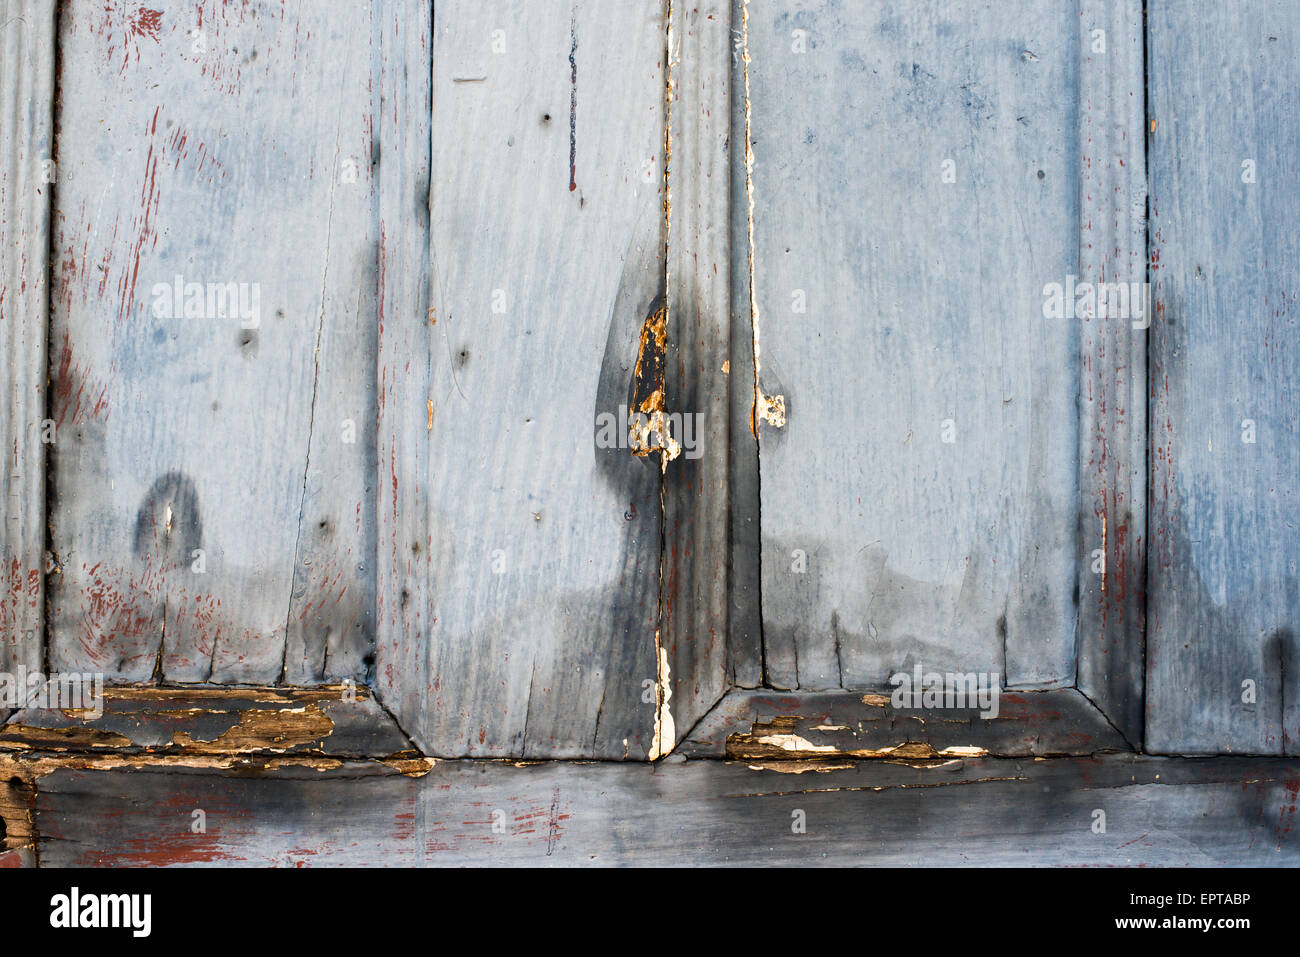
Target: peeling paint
(264,730)
(21,737)
(648,411)
(799,767)
(766,408)
(665,736)
(777,740)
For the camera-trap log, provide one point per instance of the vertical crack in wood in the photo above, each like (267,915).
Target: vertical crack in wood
(769,408)
(663,740)
(753,326)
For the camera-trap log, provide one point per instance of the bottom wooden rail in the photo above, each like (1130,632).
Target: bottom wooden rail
(294,810)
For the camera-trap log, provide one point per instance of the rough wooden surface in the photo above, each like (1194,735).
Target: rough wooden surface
(548,251)
(1230,812)
(896,310)
(403,605)
(335,721)
(834,725)
(26,154)
(1112,363)
(212,467)
(693,626)
(744,527)
(1225,522)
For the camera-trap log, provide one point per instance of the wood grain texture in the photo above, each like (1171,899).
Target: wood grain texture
(548,253)
(27,29)
(244,722)
(693,627)
(744,538)
(211,516)
(990,812)
(897,310)
(403,602)
(832,725)
(1112,363)
(1225,498)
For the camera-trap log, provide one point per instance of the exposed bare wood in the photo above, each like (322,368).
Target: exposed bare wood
(829,725)
(333,721)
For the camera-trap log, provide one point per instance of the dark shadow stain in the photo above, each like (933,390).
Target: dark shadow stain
(168,523)
(247,342)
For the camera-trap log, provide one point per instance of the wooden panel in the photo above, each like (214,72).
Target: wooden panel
(548,255)
(830,726)
(236,722)
(896,311)
(26,176)
(693,630)
(992,812)
(1225,497)
(1112,363)
(213,462)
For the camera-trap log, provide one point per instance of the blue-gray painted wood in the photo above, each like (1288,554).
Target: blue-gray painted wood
(402,602)
(547,247)
(212,470)
(1112,363)
(698,380)
(897,310)
(27,172)
(1225,488)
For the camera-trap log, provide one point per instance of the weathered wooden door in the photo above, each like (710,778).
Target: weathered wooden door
(336,336)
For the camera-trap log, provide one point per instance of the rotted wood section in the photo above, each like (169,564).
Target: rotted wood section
(832,727)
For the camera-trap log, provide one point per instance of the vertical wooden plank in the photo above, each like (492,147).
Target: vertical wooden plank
(744,559)
(224,149)
(915,188)
(27,175)
(403,603)
(548,257)
(693,629)
(331,623)
(1112,362)
(1224,591)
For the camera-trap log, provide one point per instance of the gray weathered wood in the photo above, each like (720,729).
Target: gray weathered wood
(894,307)
(211,477)
(990,812)
(1225,515)
(693,626)
(26,176)
(548,252)
(835,725)
(1112,362)
(744,557)
(403,605)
